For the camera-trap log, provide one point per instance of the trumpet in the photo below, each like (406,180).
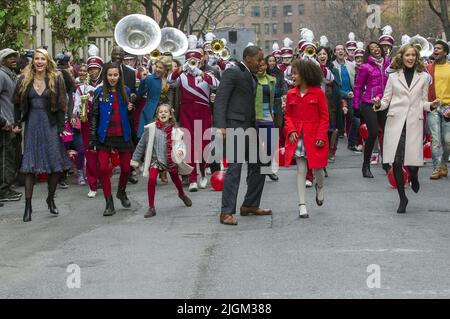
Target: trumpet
(310,52)
(217,46)
(84,108)
(155,54)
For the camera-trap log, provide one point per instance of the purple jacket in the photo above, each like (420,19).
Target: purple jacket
(370,82)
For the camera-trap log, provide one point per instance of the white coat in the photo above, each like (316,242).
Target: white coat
(405,104)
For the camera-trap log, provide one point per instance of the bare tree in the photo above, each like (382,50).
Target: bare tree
(442,13)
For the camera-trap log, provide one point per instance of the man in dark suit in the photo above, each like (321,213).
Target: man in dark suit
(235,108)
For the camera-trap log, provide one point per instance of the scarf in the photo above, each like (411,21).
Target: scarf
(168,130)
(379,61)
(10,73)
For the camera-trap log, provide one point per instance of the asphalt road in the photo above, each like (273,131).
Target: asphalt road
(354,246)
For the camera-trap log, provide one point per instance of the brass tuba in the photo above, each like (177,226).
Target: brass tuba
(173,41)
(84,108)
(137,34)
(217,45)
(310,52)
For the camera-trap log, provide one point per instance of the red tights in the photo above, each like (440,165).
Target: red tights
(152,176)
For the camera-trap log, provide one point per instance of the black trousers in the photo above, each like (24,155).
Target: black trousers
(374,121)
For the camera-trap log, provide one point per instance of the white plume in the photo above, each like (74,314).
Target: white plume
(351,36)
(323,41)
(302,32)
(250,44)
(275,46)
(387,30)
(200,42)
(192,42)
(405,39)
(224,41)
(93,50)
(210,36)
(287,42)
(309,36)
(360,45)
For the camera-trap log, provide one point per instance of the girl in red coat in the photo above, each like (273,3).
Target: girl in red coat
(306,127)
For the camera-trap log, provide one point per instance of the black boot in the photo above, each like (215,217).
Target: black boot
(28,211)
(415,186)
(122,195)
(109,210)
(51,203)
(273,177)
(402,207)
(366,171)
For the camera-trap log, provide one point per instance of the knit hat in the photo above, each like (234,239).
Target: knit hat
(7,52)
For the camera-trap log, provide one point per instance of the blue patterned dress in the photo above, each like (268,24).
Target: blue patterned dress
(43,149)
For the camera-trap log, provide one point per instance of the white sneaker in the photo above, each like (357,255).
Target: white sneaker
(203,182)
(360,148)
(308,183)
(193,187)
(92,194)
(302,211)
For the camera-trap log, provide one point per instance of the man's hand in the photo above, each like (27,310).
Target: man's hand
(435,104)
(293,137)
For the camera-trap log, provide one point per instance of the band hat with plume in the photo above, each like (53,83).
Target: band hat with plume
(95,62)
(309,41)
(286,50)
(302,37)
(359,49)
(351,43)
(386,38)
(276,52)
(192,51)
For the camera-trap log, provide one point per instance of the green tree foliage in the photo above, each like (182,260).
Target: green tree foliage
(71,25)
(14,17)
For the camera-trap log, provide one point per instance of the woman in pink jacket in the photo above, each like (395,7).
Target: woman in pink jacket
(370,84)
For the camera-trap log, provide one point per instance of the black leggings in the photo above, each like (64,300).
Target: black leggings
(374,121)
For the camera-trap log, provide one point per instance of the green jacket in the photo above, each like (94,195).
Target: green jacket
(259,96)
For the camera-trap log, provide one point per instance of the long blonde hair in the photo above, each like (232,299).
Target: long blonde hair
(30,71)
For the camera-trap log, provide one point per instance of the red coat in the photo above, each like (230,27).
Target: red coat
(308,116)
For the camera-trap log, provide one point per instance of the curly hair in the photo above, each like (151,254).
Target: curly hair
(397,63)
(309,72)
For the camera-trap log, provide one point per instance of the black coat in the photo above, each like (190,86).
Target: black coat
(234,106)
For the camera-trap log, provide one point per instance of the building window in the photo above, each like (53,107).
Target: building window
(274,28)
(257,28)
(288,27)
(266,12)
(274,11)
(255,11)
(241,11)
(267,45)
(287,10)
(301,9)
(267,28)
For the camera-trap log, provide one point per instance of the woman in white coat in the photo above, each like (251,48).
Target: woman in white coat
(406,96)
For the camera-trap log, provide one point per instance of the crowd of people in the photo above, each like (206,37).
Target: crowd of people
(59,117)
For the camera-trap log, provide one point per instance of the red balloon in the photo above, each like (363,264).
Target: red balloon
(391,178)
(217,180)
(363,131)
(427,150)
(115,159)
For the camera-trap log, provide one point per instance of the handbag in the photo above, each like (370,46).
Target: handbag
(68,136)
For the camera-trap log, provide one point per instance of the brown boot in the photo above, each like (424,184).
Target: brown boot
(228,219)
(186,200)
(436,174)
(444,171)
